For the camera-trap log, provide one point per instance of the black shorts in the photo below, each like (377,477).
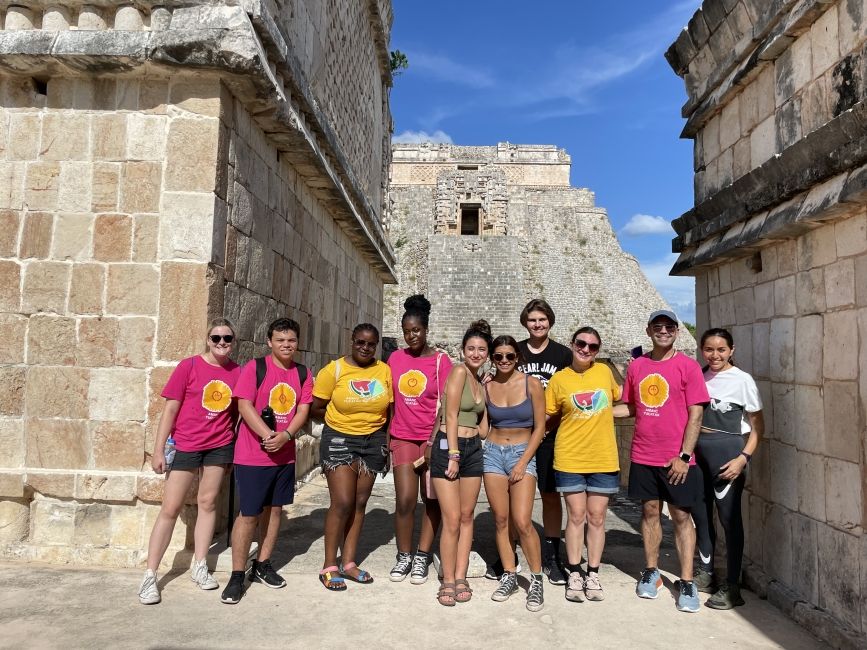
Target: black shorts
(337,448)
(472,457)
(650,483)
(264,485)
(545,464)
(196,459)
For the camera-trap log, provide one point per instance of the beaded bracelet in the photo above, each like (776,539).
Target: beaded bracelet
(454,451)
(454,456)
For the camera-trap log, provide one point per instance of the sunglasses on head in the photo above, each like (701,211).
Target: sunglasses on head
(216,338)
(578,343)
(508,356)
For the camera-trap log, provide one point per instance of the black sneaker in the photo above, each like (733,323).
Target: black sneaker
(704,580)
(420,566)
(235,589)
(495,570)
(551,568)
(727,597)
(263,572)
(401,567)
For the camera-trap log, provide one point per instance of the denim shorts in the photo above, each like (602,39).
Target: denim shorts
(600,482)
(501,459)
(369,451)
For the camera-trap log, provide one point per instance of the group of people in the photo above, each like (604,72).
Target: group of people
(515,415)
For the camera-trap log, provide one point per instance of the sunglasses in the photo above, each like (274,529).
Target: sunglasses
(663,327)
(508,356)
(216,338)
(364,344)
(578,343)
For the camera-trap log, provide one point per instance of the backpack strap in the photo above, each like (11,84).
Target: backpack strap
(302,374)
(261,371)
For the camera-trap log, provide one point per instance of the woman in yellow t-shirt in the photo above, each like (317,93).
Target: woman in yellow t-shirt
(586,466)
(352,395)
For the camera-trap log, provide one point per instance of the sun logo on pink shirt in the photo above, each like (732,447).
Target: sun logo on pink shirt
(653,390)
(282,398)
(412,383)
(216,396)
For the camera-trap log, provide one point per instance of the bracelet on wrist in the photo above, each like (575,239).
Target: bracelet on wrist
(747,456)
(454,456)
(454,451)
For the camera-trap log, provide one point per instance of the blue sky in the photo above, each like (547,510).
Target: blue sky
(588,77)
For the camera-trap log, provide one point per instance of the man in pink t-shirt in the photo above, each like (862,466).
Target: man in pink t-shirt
(666,393)
(265,457)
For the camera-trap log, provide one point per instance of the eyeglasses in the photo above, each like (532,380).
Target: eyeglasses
(365,344)
(580,344)
(216,338)
(508,356)
(663,327)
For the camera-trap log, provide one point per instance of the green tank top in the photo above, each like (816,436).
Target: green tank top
(469,412)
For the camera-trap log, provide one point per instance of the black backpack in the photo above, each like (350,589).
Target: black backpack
(262,369)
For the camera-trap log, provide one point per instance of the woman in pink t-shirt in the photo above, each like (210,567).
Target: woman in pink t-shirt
(420,374)
(200,416)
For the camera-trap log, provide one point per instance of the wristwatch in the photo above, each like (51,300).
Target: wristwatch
(685,456)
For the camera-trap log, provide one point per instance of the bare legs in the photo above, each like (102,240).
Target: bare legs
(177,485)
(684,534)
(350,490)
(590,509)
(457,503)
(408,486)
(513,502)
(268,522)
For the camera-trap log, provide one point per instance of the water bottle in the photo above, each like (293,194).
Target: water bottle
(270,420)
(170,452)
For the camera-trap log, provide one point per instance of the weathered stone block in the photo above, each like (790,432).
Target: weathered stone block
(112,238)
(145,237)
(86,288)
(36,235)
(159,376)
(42,185)
(825,41)
(749,107)
(840,284)
(784,296)
(811,291)
(200,96)
(852,26)
(183,309)
(92,521)
(192,139)
(106,180)
(118,394)
(140,187)
(49,340)
(187,228)
(153,94)
(817,248)
(743,336)
(811,475)
(783,349)
(15,516)
(135,342)
(761,352)
(117,445)
(9,221)
(851,234)
(777,543)
(13,329)
(10,281)
(741,158)
(763,141)
(104,487)
(58,484)
(146,137)
(45,285)
(817,104)
(126,527)
(809,419)
(76,185)
(52,522)
(57,444)
(838,563)
(861,281)
(840,348)
(72,236)
(805,556)
(710,138)
(11,396)
(842,498)
(24,133)
(96,342)
(44,381)
(809,333)
(132,289)
(108,135)
(65,136)
(730,124)
(764,299)
(784,475)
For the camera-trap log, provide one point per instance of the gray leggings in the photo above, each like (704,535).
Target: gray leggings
(712,452)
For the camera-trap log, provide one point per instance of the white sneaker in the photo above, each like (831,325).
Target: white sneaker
(148,592)
(199,574)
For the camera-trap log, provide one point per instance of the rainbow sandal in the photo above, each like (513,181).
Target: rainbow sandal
(331,581)
(363,577)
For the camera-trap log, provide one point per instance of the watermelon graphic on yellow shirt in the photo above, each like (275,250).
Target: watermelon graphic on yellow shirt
(591,401)
(412,383)
(367,388)
(282,398)
(216,396)
(653,390)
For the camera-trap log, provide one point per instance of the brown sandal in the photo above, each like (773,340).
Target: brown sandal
(463,592)
(446,594)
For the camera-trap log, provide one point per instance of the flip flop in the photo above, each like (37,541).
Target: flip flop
(330,581)
(363,577)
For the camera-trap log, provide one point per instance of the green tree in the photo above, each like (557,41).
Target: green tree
(690,327)
(398,62)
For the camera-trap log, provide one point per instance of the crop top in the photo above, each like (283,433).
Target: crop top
(519,416)
(469,411)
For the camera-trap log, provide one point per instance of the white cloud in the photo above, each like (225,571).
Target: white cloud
(445,69)
(416,137)
(646,224)
(679,292)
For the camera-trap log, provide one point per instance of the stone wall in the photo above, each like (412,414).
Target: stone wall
(159,167)
(777,242)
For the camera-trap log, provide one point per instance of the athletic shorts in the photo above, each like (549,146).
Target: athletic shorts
(599,482)
(650,483)
(265,485)
(545,464)
(337,448)
(406,452)
(501,459)
(195,459)
(471,463)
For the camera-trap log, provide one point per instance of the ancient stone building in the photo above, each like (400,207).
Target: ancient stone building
(481,230)
(777,242)
(162,163)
